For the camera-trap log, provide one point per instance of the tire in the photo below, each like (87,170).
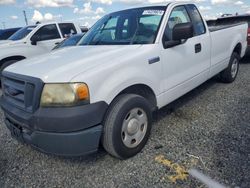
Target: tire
(127,126)
(230,73)
(6,64)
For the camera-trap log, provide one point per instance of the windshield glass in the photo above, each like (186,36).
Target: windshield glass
(72,41)
(134,26)
(20,34)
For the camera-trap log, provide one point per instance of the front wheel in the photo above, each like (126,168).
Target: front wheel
(127,126)
(231,72)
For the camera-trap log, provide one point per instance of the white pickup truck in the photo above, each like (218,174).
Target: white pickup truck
(34,40)
(104,91)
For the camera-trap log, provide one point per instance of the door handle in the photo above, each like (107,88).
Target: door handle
(154,60)
(198,48)
(57,43)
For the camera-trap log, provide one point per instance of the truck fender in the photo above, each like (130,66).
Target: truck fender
(114,84)
(236,42)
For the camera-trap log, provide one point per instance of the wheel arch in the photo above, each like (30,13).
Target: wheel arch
(17,57)
(238,49)
(142,90)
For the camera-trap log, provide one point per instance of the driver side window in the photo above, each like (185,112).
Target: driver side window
(47,32)
(177,16)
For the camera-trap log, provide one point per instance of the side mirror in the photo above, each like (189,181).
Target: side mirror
(34,40)
(182,31)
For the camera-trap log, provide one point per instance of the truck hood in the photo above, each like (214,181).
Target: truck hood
(64,64)
(6,43)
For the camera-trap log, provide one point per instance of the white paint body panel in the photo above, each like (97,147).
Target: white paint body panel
(223,43)
(108,70)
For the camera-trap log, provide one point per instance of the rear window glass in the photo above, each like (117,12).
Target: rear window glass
(67,29)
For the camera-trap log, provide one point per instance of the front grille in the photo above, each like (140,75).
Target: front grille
(22,91)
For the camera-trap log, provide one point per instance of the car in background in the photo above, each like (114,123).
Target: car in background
(34,40)
(6,33)
(84,29)
(229,20)
(71,41)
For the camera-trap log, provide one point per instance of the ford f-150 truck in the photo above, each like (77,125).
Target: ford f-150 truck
(104,91)
(34,40)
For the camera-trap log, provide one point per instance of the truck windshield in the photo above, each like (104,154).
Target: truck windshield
(20,34)
(133,26)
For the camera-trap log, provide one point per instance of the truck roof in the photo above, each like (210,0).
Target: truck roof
(142,6)
(153,4)
(156,4)
(53,22)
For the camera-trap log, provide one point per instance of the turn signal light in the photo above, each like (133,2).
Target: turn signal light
(82,91)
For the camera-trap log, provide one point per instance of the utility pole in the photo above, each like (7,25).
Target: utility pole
(3,25)
(25,17)
(60,13)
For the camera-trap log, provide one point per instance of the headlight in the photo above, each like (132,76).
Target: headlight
(64,94)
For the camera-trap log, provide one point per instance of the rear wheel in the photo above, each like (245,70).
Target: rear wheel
(127,126)
(231,72)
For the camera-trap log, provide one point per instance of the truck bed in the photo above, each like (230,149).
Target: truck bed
(218,27)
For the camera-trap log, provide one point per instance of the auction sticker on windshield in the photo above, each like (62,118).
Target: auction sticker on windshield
(153,12)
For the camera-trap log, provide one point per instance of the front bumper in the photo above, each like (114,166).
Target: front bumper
(69,131)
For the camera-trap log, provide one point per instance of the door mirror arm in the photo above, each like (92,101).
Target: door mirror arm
(33,42)
(171,44)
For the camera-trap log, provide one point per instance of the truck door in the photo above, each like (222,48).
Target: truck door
(47,37)
(186,65)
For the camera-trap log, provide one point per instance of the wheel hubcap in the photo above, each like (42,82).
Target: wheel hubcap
(234,68)
(134,127)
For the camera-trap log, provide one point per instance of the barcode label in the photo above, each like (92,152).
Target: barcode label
(153,12)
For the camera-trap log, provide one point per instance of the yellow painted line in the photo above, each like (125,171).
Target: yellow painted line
(180,172)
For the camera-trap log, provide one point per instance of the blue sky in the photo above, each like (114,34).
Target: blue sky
(87,12)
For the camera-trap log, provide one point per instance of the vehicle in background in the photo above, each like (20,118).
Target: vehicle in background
(6,33)
(226,15)
(34,40)
(104,90)
(21,33)
(234,20)
(71,41)
(84,29)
